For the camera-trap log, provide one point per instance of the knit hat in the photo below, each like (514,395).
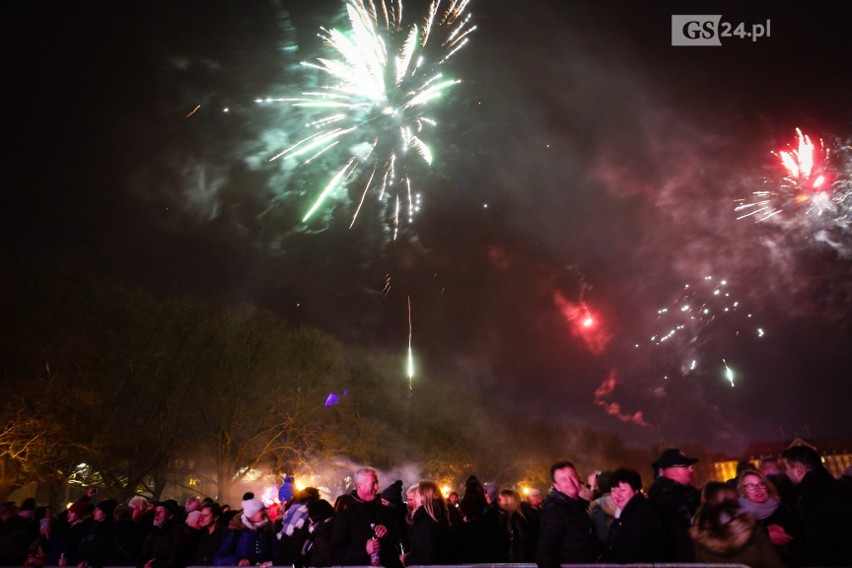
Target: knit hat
(107,506)
(393,493)
(287,490)
(251,505)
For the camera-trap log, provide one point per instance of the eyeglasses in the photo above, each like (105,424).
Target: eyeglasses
(762,485)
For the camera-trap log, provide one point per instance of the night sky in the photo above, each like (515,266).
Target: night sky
(583,168)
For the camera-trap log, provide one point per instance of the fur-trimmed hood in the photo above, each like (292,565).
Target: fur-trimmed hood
(730,539)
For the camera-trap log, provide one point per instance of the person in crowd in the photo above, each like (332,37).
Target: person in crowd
(636,534)
(45,550)
(725,534)
(316,550)
(823,506)
(456,518)
(774,471)
(142,522)
(531,508)
(742,465)
(106,541)
(365,527)
(250,539)
(17,532)
(453,499)
(392,498)
(676,502)
(759,497)
(567,534)
(167,545)
(480,537)
(69,530)
(516,526)
(717,492)
(293,531)
(429,528)
(602,509)
(191,504)
(211,534)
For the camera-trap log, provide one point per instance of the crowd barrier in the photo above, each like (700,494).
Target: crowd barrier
(639,565)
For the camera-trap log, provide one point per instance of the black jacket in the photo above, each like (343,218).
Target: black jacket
(676,505)
(637,535)
(352,530)
(825,509)
(429,540)
(566,534)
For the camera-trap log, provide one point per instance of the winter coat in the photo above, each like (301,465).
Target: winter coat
(207,545)
(167,545)
(637,535)
(520,548)
(352,529)
(741,541)
(566,535)
(429,540)
(105,543)
(316,551)
(257,545)
(481,539)
(676,505)
(825,509)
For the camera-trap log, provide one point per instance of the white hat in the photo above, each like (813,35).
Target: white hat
(252,506)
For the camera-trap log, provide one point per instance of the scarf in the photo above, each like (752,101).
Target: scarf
(760,511)
(252,526)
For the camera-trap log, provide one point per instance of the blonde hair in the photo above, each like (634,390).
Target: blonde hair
(433,501)
(513,502)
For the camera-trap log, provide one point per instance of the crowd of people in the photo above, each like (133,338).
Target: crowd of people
(764,517)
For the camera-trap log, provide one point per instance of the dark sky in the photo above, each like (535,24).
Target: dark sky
(583,166)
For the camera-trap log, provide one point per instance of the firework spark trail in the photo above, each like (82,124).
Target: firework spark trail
(410,366)
(377,89)
(703,312)
(729,374)
(816,180)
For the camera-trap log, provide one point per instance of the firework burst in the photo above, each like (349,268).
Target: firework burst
(815,185)
(373,109)
(704,315)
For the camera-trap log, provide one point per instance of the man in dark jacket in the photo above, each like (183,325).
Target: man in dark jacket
(675,500)
(566,533)
(166,546)
(210,536)
(824,507)
(363,518)
(105,542)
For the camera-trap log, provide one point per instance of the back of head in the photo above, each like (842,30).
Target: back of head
(715,492)
(319,510)
(803,455)
(713,518)
(473,502)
